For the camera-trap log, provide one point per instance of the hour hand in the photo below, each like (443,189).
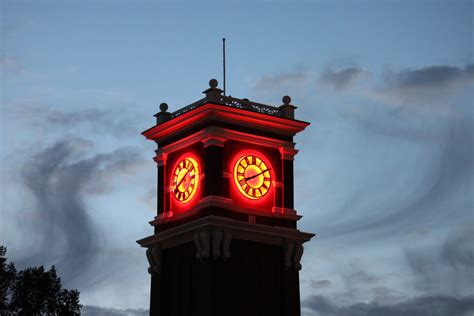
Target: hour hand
(181,181)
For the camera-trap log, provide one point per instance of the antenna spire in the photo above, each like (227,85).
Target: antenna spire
(223,59)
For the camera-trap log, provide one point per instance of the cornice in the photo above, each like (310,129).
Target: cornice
(210,111)
(273,235)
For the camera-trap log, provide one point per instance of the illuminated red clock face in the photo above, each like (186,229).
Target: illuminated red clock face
(185,179)
(252,176)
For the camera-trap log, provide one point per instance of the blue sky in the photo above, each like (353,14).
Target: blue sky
(387,86)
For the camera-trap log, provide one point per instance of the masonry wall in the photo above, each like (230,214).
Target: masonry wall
(252,282)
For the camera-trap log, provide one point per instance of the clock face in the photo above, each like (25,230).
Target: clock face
(252,176)
(185,179)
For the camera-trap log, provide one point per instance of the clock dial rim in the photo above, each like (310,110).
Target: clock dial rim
(252,190)
(184,192)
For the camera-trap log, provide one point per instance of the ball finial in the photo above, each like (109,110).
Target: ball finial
(163,107)
(286,99)
(213,83)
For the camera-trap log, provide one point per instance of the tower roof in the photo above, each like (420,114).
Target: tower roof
(214,95)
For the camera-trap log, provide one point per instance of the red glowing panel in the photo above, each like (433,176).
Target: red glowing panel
(185,179)
(252,176)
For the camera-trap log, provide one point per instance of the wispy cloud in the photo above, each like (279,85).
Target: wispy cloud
(37,114)
(59,177)
(445,184)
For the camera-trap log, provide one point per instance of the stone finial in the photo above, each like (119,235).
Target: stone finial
(163,107)
(287,109)
(163,115)
(213,94)
(213,83)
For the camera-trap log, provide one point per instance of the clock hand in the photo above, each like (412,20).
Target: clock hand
(256,175)
(181,181)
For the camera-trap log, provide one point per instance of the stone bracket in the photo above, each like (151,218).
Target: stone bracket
(212,236)
(212,242)
(292,253)
(153,255)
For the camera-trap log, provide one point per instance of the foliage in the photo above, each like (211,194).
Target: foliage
(34,291)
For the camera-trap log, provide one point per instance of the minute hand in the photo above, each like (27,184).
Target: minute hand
(256,175)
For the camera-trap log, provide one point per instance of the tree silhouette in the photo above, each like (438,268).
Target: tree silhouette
(34,291)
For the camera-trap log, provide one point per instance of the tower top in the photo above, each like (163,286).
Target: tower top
(215,95)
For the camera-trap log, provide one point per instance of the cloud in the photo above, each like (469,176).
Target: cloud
(343,78)
(10,64)
(282,80)
(59,177)
(320,284)
(421,306)
(102,311)
(149,198)
(425,85)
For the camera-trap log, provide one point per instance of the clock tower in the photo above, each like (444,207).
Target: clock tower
(225,238)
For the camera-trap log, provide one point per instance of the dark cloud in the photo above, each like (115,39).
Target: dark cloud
(342,78)
(101,311)
(458,251)
(421,306)
(430,77)
(448,268)
(430,84)
(282,80)
(58,178)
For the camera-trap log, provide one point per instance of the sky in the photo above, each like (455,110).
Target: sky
(386,85)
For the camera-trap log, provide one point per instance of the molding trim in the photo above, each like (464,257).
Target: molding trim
(160,158)
(213,135)
(288,153)
(214,140)
(228,204)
